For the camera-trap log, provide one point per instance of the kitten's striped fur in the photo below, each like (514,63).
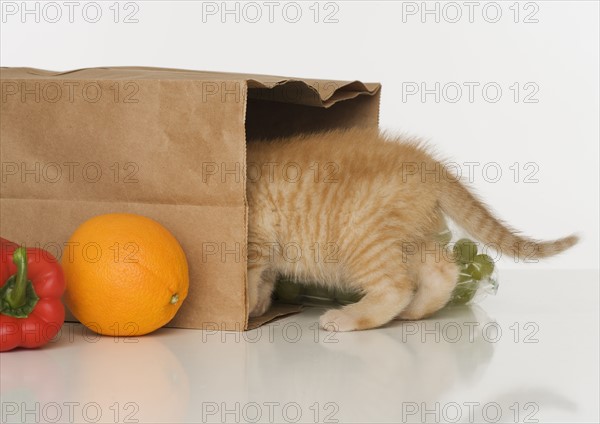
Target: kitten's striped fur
(358,209)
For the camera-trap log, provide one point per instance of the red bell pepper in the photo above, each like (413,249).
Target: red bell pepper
(32,283)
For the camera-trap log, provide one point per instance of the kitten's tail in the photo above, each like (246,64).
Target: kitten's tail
(472,215)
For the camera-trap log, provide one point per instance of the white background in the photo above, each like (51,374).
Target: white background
(382,41)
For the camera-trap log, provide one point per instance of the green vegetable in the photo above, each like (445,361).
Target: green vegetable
(320,292)
(288,291)
(474,268)
(484,265)
(465,251)
(465,288)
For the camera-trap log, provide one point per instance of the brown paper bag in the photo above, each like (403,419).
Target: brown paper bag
(168,144)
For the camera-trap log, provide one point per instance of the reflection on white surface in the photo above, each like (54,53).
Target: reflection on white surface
(371,372)
(82,377)
(530,353)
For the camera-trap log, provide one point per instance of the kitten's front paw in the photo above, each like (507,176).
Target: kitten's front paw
(337,320)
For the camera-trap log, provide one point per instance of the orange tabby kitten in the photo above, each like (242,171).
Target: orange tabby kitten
(360,210)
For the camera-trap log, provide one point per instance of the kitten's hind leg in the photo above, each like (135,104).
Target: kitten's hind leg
(387,293)
(436,278)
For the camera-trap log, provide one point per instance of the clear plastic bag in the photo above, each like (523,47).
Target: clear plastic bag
(478,278)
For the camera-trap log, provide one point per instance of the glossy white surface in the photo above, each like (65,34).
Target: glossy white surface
(529,353)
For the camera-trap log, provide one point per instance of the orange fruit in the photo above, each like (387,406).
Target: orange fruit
(126,274)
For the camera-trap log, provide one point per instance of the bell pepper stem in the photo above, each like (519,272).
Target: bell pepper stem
(16,297)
